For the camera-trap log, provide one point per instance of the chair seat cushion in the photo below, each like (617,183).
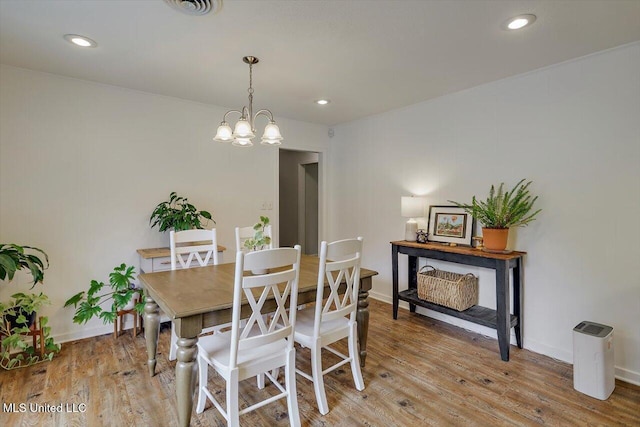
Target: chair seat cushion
(217,349)
(305,319)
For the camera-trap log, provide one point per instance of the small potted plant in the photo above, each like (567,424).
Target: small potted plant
(178,214)
(260,240)
(18,315)
(88,304)
(502,210)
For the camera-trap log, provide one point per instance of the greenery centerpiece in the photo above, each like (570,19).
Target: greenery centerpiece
(18,315)
(178,214)
(88,304)
(260,240)
(500,211)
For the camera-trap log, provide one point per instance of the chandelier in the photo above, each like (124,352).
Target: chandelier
(244,130)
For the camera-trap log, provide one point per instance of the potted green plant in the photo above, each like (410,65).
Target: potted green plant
(14,257)
(259,240)
(17,316)
(502,210)
(178,214)
(16,352)
(88,304)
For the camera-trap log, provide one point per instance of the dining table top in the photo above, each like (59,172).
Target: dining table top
(200,290)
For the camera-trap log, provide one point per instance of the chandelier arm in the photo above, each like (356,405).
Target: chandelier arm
(224,119)
(263,112)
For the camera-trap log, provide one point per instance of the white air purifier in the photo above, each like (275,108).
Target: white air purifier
(593,364)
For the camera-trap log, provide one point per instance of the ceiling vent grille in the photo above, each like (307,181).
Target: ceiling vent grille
(195,7)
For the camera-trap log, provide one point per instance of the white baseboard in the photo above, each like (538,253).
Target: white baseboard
(92,332)
(628,376)
(622,374)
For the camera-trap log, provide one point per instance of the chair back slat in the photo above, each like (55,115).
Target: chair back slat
(281,286)
(192,244)
(341,270)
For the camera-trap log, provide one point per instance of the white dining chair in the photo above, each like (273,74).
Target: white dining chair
(191,248)
(334,315)
(255,347)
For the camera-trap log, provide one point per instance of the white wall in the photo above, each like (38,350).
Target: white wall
(82,166)
(574,129)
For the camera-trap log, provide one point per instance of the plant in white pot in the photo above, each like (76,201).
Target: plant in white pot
(260,239)
(500,211)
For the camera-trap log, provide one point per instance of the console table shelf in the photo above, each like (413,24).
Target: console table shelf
(481,315)
(499,319)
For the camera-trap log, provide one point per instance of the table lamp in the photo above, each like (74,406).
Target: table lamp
(411,207)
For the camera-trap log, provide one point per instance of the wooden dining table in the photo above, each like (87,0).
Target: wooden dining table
(202,297)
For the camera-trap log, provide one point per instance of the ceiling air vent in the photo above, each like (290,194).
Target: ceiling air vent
(195,7)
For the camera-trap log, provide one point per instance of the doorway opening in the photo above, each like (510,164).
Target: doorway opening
(298,199)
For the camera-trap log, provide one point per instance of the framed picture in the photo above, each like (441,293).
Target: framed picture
(450,224)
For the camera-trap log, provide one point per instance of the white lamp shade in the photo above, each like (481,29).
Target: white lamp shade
(242,142)
(412,207)
(223,134)
(266,141)
(243,130)
(272,132)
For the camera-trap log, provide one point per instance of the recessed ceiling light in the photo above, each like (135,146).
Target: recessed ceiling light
(81,41)
(322,101)
(520,21)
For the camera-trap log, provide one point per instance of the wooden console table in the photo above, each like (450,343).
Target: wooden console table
(500,318)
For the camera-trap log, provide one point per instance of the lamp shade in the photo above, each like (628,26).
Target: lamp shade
(271,134)
(412,207)
(242,142)
(224,133)
(243,129)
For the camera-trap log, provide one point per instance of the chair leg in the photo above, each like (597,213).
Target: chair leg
(290,383)
(203,367)
(318,381)
(233,408)
(260,381)
(355,359)
(173,344)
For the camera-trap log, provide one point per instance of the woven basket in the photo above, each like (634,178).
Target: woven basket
(453,290)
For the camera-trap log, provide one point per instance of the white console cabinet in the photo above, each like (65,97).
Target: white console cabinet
(159,259)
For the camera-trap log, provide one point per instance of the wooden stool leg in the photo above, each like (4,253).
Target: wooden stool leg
(41,333)
(135,322)
(115,327)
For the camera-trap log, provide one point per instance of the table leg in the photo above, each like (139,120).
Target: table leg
(503,320)
(412,279)
(362,317)
(518,277)
(151,330)
(186,367)
(394,280)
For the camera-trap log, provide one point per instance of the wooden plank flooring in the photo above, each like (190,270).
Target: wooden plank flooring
(419,372)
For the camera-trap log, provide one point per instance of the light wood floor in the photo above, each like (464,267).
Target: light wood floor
(419,372)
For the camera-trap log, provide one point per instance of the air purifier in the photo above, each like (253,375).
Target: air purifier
(593,363)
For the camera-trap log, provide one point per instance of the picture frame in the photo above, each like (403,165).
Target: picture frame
(450,224)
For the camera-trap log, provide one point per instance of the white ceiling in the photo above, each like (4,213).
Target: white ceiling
(366,56)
